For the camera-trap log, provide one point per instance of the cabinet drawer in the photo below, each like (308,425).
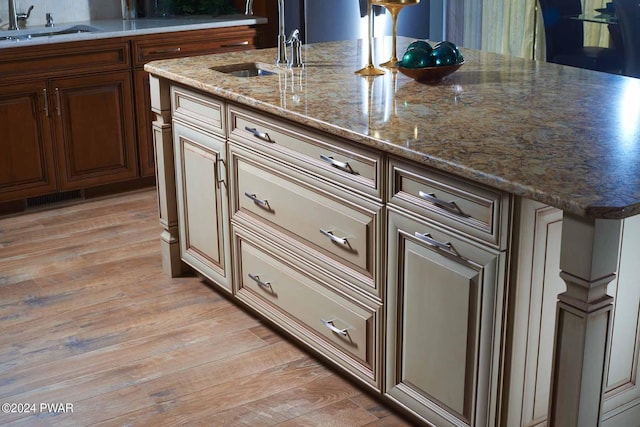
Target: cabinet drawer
(338,326)
(63,59)
(197,109)
(474,210)
(150,48)
(329,222)
(345,163)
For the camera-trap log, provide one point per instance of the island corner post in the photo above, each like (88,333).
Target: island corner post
(588,262)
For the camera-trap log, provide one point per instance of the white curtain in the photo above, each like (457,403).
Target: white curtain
(515,27)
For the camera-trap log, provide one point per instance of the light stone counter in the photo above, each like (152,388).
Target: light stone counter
(563,136)
(123,28)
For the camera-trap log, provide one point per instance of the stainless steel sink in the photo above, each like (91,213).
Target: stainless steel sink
(251,69)
(46,32)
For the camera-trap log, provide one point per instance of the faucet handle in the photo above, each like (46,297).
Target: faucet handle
(296,49)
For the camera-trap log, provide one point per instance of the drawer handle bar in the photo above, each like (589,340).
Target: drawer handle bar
(334,238)
(451,206)
(345,166)
(447,246)
(263,203)
(329,324)
(173,50)
(46,102)
(244,43)
(260,135)
(261,283)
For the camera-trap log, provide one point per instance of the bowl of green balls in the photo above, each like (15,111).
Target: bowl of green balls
(430,63)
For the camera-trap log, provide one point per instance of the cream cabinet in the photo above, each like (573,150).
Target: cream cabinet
(445,292)
(305,249)
(536,285)
(201,191)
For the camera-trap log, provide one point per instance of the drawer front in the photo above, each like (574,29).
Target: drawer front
(150,48)
(64,59)
(469,208)
(198,109)
(347,164)
(345,231)
(307,307)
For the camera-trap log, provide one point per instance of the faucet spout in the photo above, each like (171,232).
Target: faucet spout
(282,38)
(13,18)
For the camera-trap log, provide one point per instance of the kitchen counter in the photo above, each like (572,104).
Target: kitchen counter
(101,29)
(563,136)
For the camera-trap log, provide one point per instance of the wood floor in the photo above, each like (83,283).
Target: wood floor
(88,320)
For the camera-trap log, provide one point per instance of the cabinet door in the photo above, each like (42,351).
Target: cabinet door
(26,163)
(202,203)
(94,127)
(441,317)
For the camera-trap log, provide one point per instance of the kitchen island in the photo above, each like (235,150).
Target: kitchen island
(424,185)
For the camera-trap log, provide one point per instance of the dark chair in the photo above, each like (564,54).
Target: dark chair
(628,14)
(565,39)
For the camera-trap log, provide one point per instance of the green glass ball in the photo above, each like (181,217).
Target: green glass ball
(444,55)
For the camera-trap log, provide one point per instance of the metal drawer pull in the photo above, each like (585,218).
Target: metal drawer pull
(264,203)
(334,238)
(447,246)
(244,43)
(329,324)
(260,135)
(261,283)
(345,166)
(430,197)
(46,102)
(58,108)
(173,50)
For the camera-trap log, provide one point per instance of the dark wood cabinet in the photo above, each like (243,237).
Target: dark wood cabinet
(94,128)
(27,165)
(76,115)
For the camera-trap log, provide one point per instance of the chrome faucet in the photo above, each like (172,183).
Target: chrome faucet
(13,18)
(282,38)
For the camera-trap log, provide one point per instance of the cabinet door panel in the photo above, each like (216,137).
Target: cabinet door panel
(26,163)
(442,293)
(202,203)
(442,299)
(94,129)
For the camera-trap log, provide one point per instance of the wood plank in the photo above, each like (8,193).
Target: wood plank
(89,318)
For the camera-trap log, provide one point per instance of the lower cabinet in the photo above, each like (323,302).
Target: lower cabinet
(202,202)
(307,303)
(536,285)
(442,311)
(94,128)
(27,167)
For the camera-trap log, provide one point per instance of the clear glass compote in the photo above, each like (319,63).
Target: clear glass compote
(370,69)
(394,7)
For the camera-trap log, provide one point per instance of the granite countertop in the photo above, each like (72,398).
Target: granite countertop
(100,29)
(563,136)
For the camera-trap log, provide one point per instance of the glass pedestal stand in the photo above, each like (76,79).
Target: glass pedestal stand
(370,69)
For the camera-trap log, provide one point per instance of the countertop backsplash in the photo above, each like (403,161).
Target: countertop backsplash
(62,10)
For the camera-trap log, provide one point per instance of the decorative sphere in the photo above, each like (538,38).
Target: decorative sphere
(444,55)
(420,44)
(453,46)
(417,58)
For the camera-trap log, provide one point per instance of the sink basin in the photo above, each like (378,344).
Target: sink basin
(251,69)
(46,32)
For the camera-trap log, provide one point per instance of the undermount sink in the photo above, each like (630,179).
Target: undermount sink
(251,69)
(30,33)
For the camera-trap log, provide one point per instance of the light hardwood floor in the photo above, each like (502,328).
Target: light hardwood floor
(88,318)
